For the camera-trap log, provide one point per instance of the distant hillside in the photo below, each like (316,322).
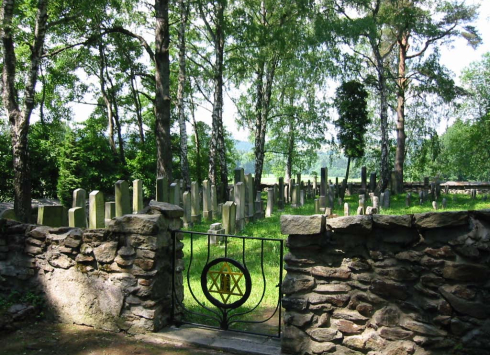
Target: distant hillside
(243,146)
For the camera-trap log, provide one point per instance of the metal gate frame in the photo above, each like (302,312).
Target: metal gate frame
(223,313)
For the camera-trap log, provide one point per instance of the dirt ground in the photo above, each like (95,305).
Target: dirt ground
(63,339)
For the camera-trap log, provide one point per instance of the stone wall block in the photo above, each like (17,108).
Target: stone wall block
(351,224)
(431,220)
(106,253)
(297,283)
(302,225)
(387,221)
(138,224)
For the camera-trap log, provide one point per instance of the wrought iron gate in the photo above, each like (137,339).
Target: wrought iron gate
(230,282)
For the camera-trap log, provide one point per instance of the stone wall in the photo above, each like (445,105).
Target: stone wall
(118,278)
(377,284)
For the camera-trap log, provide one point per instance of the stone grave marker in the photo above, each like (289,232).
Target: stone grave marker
(109,211)
(214,202)
(206,200)
(386,199)
(372,182)
(96,210)
(240,205)
(52,216)
(360,211)
(408,199)
(270,202)
(162,189)
(76,217)
(280,204)
(187,218)
(123,204)
(346,209)
(195,204)
(137,195)
(214,229)
(80,200)
(229,217)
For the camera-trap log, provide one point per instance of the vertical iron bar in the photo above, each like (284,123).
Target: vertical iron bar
(243,253)
(226,246)
(280,285)
(172,312)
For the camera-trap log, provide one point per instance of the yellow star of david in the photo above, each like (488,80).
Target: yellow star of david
(225,282)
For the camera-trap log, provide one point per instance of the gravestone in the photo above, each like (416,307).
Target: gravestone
(239,175)
(315,185)
(270,202)
(280,204)
(109,211)
(229,217)
(386,199)
(369,210)
(214,202)
(195,205)
(295,197)
(214,229)
(393,183)
(302,198)
(323,184)
(381,200)
(376,202)
(317,206)
(363,178)
(372,182)
(123,205)
(137,195)
(330,197)
(187,218)
(249,198)
(346,209)
(434,205)
(291,191)
(432,191)
(52,216)
(408,199)
(174,194)
(80,200)
(444,203)
(328,212)
(240,205)
(162,189)
(76,217)
(287,198)
(206,201)
(421,197)
(362,202)
(350,190)
(96,210)
(360,211)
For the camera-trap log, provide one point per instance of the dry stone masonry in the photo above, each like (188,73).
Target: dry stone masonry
(118,278)
(385,285)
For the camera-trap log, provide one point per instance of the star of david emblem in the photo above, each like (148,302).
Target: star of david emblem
(226,277)
(225,282)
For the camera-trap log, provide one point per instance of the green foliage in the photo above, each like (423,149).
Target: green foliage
(16,297)
(6,177)
(351,104)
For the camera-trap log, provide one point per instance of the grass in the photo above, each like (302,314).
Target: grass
(272,263)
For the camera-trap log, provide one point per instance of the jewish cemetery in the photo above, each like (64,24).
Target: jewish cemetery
(256,177)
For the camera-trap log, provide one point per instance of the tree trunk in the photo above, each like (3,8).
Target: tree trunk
(385,169)
(19,120)
(184,162)
(137,104)
(162,97)
(347,170)
(216,149)
(197,141)
(400,111)
(107,101)
(289,162)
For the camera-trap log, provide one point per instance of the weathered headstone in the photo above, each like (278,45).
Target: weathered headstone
(328,211)
(187,218)
(229,217)
(302,198)
(421,197)
(363,178)
(53,216)
(386,199)
(376,202)
(323,183)
(195,204)
(360,211)
(372,182)
(214,229)
(434,205)
(206,200)
(369,210)
(239,175)
(162,189)
(123,205)
(362,202)
(270,202)
(174,195)
(280,204)
(330,197)
(259,207)
(96,210)
(350,190)
(291,191)
(432,191)
(76,217)
(287,197)
(444,203)
(137,195)
(249,198)
(408,199)
(109,211)
(317,206)
(315,185)
(346,209)
(214,202)
(240,205)
(80,200)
